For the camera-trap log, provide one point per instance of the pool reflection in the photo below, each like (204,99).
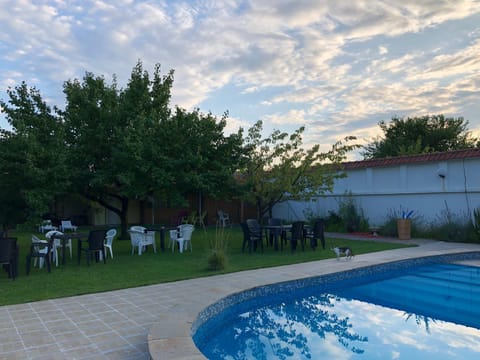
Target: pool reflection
(287,330)
(428,312)
(329,326)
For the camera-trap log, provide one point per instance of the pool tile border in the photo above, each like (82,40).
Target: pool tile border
(171,336)
(258,296)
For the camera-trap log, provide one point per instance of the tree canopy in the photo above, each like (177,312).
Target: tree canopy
(112,145)
(126,144)
(278,167)
(417,135)
(31,156)
(110,137)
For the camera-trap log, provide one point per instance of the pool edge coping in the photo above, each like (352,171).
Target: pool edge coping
(328,281)
(177,341)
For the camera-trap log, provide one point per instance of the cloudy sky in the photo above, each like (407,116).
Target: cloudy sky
(338,67)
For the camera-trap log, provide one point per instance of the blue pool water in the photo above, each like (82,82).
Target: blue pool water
(429,311)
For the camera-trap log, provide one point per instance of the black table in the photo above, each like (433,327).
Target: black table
(273,232)
(64,237)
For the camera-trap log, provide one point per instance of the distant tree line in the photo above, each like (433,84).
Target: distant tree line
(418,135)
(110,145)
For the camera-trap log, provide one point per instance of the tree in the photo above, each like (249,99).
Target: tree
(125,144)
(14,208)
(278,168)
(111,137)
(197,154)
(417,135)
(32,161)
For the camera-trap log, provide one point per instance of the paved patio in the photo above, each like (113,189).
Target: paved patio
(155,321)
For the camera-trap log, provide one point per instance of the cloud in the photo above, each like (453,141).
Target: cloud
(382,50)
(337,67)
(234,124)
(462,63)
(293,116)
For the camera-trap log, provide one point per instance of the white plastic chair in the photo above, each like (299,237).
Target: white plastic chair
(57,243)
(141,238)
(135,238)
(67,225)
(138,228)
(109,241)
(175,237)
(46,226)
(186,231)
(223,218)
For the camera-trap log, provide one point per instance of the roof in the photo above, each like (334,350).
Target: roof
(412,159)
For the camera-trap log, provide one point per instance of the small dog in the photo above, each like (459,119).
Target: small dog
(345,251)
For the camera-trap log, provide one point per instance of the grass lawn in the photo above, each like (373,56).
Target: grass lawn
(126,270)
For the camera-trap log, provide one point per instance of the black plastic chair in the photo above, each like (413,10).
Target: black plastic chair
(95,246)
(318,233)
(41,250)
(246,237)
(256,231)
(8,256)
(251,238)
(297,235)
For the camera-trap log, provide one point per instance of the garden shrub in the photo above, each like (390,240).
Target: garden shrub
(334,223)
(446,227)
(353,219)
(452,227)
(217,257)
(389,227)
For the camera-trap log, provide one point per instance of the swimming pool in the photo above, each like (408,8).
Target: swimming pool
(404,310)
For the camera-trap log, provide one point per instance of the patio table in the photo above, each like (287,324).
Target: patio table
(272,233)
(64,237)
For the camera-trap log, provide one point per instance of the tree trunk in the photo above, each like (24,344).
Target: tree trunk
(124,219)
(122,213)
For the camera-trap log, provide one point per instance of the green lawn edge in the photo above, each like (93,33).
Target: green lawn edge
(129,271)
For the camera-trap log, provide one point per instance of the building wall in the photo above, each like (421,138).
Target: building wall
(428,188)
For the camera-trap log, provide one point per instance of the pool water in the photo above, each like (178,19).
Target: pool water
(428,312)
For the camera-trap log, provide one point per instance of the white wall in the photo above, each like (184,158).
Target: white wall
(379,191)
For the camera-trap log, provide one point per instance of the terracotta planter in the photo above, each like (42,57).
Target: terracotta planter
(404,229)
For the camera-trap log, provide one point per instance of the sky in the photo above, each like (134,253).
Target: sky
(336,67)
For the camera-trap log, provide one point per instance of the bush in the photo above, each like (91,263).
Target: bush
(217,258)
(389,227)
(476,224)
(452,227)
(348,219)
(447,227)
(353,219)
(334,222)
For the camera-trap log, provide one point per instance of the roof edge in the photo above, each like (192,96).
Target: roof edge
(411,159)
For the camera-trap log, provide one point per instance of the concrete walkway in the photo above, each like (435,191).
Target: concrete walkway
(155,321)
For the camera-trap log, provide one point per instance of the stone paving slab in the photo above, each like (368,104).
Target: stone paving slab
(162,346)
(154,322)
